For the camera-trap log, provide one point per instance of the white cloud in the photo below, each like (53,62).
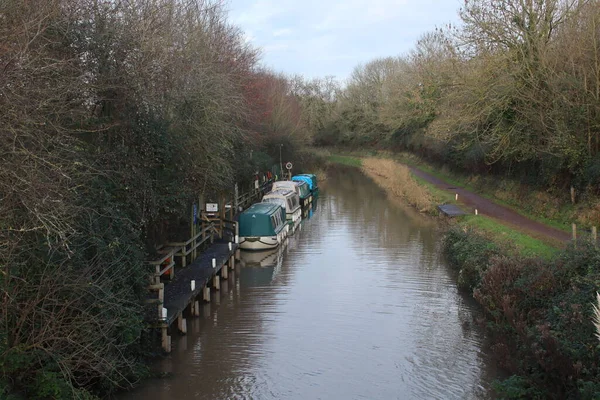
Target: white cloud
(330,37)
(261,12)
(282,32)
(361,13)
(271,48)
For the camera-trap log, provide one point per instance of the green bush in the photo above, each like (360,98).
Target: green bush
(469,253)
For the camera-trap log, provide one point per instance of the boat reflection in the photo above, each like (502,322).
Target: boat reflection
(259,268)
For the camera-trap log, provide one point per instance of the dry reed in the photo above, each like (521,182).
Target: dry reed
(397,181)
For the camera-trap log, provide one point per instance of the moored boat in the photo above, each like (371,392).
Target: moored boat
(310,179)
(290,201)
(262,226)
(300,187)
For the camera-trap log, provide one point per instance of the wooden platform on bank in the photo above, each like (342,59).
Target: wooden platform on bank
(178,293)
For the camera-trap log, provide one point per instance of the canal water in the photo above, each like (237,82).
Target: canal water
(358,305)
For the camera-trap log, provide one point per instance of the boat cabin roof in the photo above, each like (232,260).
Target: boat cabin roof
(300,187)
(312,177)
(305,179)
(263,208)
(281,193)
(287,198)
(262,219)
(289,185)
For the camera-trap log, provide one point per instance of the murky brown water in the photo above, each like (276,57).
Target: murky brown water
(358,305)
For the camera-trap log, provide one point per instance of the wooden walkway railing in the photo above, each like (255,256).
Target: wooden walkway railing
(202,261)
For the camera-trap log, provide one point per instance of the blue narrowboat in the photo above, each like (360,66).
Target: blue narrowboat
(310,179)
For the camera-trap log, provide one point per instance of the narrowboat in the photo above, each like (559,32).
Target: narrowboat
(313,178)
(310,179)
(301,188)
(262,226)
(290,201)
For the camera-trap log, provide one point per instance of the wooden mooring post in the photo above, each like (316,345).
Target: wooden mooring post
(165,339)
(225,272)
(574,232)
(195,308)
(181,324)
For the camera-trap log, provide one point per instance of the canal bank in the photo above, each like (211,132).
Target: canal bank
(359,304)
(539,304)
(427,193)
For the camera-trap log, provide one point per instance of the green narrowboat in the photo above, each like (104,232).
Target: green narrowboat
(262,226)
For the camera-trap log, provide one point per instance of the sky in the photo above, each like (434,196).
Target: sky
(318,38)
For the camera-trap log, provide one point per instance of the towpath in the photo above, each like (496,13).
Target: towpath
(490,209)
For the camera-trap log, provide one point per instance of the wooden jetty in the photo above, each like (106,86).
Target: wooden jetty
(186,272)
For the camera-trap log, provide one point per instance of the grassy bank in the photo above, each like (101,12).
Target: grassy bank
(345,160)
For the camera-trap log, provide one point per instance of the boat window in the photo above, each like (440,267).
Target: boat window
(274,221)
(290,204)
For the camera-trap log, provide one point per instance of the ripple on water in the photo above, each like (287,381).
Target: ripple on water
(359,305)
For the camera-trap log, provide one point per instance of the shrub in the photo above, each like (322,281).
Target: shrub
(540,314)
(469,253)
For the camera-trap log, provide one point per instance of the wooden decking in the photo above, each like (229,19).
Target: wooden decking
(178,293)
(184,273)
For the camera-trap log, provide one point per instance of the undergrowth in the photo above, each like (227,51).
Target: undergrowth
(540,314)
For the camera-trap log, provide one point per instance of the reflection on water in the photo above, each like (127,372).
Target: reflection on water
(357,305)
(261,267)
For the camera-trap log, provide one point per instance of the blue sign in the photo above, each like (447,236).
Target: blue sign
(195,214)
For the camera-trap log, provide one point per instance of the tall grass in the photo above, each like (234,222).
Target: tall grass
(398,182)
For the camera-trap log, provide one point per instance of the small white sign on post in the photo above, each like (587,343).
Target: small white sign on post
(193,285)
(237,239)
(214,263)
(212,207)
(229,246)
(164,313)
(256,184)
